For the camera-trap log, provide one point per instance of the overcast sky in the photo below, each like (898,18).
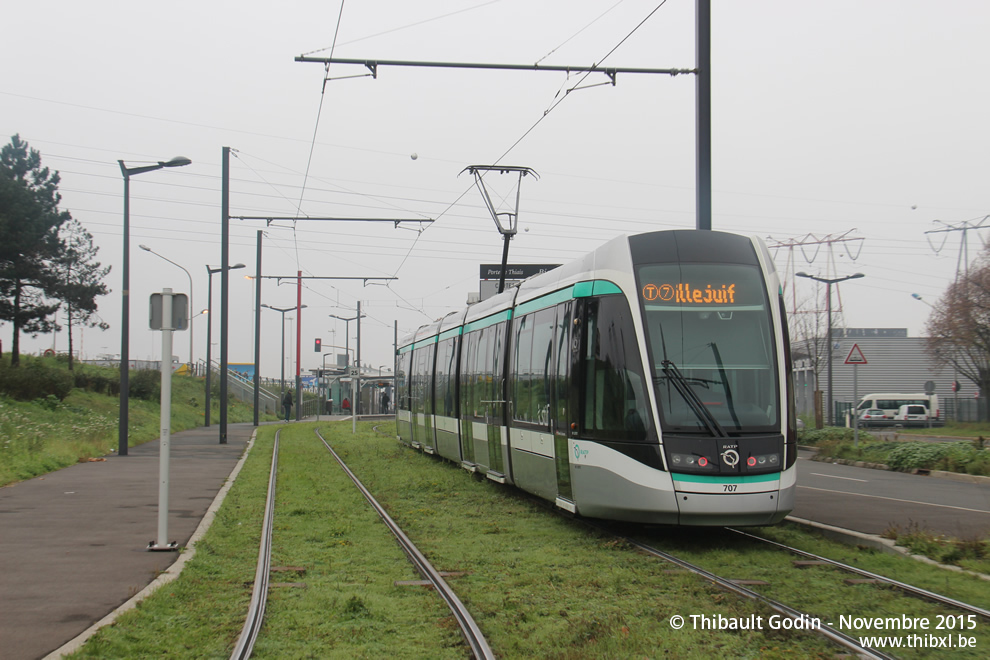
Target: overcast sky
(860,119)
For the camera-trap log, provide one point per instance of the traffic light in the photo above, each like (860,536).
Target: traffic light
(319,345)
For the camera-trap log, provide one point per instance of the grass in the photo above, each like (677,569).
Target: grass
(972,554)
(39,436)
(539,585)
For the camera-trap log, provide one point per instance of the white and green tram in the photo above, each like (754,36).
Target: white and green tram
(648,381)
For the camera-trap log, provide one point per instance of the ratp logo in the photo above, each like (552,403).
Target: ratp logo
(578,452)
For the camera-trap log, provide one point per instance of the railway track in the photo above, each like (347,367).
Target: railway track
(832,634)
(259,594)
(848,637)
(836,636)
(256,611)
(904,587)
(472,633)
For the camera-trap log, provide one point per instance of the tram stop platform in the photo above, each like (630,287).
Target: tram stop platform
(74,543)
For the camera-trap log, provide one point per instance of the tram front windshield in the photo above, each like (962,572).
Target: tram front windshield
(711,345)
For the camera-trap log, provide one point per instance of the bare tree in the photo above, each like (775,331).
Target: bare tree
(959,326)
(809,339)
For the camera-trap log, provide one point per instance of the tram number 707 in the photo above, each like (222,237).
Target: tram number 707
(729,488)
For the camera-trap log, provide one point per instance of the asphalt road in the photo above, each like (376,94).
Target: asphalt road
(872,501)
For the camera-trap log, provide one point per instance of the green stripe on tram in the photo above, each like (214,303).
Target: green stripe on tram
(543,302)
(488,320)
(580,290)
(742,479)
(453,332)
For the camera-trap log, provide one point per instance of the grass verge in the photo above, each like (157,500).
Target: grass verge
(39,436)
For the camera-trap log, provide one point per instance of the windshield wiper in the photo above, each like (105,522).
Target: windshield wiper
(725,384)
(697,405)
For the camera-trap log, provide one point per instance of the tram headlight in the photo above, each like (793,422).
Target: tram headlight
(763,461)
(691,461)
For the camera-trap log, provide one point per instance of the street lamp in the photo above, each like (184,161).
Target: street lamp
(283,311)
(125,316)
(209,326)
(828,307)
(347,330)
(190,309)
(356,404)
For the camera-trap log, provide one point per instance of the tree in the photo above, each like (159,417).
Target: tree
(959,326)
(80,279)
(809,343)
(29,240)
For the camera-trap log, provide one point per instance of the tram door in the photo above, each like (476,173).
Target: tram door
(422,395)
(495,422)
(565,343)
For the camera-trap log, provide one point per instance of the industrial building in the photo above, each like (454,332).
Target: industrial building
(894,363)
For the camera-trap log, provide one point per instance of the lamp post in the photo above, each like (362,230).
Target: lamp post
(355,405)
(828,306)
(347,331)
(209,326)
(283,311)
(191,317)
(125,325)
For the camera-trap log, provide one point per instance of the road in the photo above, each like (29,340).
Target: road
(872,501)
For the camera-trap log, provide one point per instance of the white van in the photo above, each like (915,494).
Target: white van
(890,403)
(912,415)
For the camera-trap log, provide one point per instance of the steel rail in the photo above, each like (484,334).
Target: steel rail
(469,628)
(910,589)
(259,594)
(832,634)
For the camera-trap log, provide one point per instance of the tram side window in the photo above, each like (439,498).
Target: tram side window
(401,384)
(478,373)
(446,375)
(532,375)
(562,338)
(494,368)
(469,362)
(615,403)
(422,380)
(521,373)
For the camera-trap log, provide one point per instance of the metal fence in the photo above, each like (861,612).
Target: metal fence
(951,409)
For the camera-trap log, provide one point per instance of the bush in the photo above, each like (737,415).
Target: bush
(962,457)
(34,379)
(101,380)
(830,435)
(146,384)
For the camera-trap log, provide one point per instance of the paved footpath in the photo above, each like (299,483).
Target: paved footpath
(73,543)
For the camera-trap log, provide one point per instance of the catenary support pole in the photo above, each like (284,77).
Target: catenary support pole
(356,403)
(257,334)
(703,81)
(299,396)
(224,287)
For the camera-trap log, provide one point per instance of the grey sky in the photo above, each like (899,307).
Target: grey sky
(865,117)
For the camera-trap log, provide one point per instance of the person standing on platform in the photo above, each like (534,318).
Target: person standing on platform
(287,403)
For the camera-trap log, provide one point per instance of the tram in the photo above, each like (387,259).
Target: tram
(648,381)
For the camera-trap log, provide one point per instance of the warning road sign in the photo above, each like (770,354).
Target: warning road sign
(855,356)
